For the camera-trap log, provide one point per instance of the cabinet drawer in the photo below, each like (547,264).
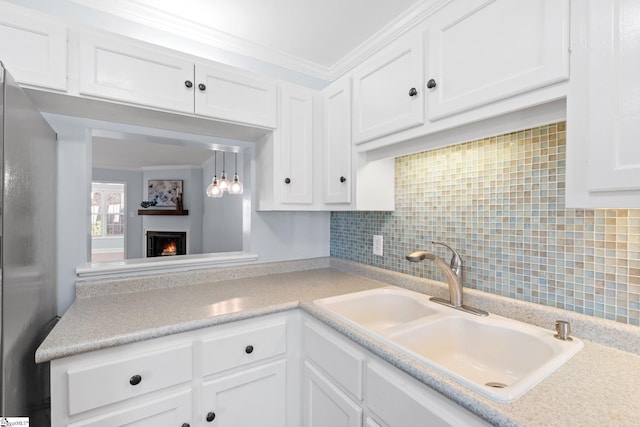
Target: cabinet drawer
(109,382)
(333,355)
(171,410)
(243,346)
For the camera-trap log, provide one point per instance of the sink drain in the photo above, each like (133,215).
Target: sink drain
(496,384)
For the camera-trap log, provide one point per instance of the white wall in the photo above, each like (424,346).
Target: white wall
(73,209)
(222,219)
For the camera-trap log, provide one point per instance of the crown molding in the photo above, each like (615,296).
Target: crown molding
(392,31)
(134,11)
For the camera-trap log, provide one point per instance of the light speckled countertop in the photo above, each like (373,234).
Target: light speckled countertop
(597,387)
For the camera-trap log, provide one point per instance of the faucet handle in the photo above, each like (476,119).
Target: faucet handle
(456,260)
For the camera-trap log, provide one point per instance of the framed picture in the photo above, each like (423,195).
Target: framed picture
(165,192)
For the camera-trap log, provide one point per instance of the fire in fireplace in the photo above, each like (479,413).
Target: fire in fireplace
(166,243)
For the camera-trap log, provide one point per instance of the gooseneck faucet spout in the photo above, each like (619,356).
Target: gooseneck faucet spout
(455,285)
(454,273)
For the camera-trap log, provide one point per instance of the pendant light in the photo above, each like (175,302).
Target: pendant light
(236,186)
(224,182)
(213,190)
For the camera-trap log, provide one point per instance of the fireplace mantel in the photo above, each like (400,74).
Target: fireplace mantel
(163,212)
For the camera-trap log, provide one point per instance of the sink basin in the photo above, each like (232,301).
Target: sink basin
(495,356)
(379,309)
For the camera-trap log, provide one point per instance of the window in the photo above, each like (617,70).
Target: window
(107,209)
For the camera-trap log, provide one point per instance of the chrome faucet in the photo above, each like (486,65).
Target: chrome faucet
(455,278)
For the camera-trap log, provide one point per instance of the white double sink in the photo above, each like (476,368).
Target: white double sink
(498,357)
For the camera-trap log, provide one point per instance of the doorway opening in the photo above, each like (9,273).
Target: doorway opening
(108,221)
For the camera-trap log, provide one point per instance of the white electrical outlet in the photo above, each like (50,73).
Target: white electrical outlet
(377,245)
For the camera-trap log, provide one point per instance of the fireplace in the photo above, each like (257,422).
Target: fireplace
(166,243)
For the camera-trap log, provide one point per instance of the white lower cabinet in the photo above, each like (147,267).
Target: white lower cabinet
(394,399)
(133,384)
(279,370)
(345,385)
(325,404)
(236,374)
(170,410)
(252,397)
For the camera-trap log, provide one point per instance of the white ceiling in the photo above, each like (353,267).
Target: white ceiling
(138,154)
(317,31)
(319,38)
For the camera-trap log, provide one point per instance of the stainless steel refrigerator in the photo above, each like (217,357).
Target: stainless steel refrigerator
(27,251)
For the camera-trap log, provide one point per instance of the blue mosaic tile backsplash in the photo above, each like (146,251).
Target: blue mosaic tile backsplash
(500,202)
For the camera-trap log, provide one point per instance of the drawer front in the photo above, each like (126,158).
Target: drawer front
(243,346)
(108,382)
(333,355)
(172,410)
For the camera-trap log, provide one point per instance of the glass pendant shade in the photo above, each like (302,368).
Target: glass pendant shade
(224,182)
(236,186)
(213,190)
(218,187)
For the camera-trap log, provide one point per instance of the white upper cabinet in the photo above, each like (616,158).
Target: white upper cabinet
(141,74)
(233,96)
(337,178)
(127,72)
(295,153)
(603,106)
(33,49)
(388,90)
(481,51)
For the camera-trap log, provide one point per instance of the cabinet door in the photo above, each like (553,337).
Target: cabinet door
(33,49)
(325,405)
(233,96)
(477,56)
(337,357)
(296,147)
(603,107)
(172,410)
(387,90)
(126,72)
(395,400)
(254,397)
(337,176)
